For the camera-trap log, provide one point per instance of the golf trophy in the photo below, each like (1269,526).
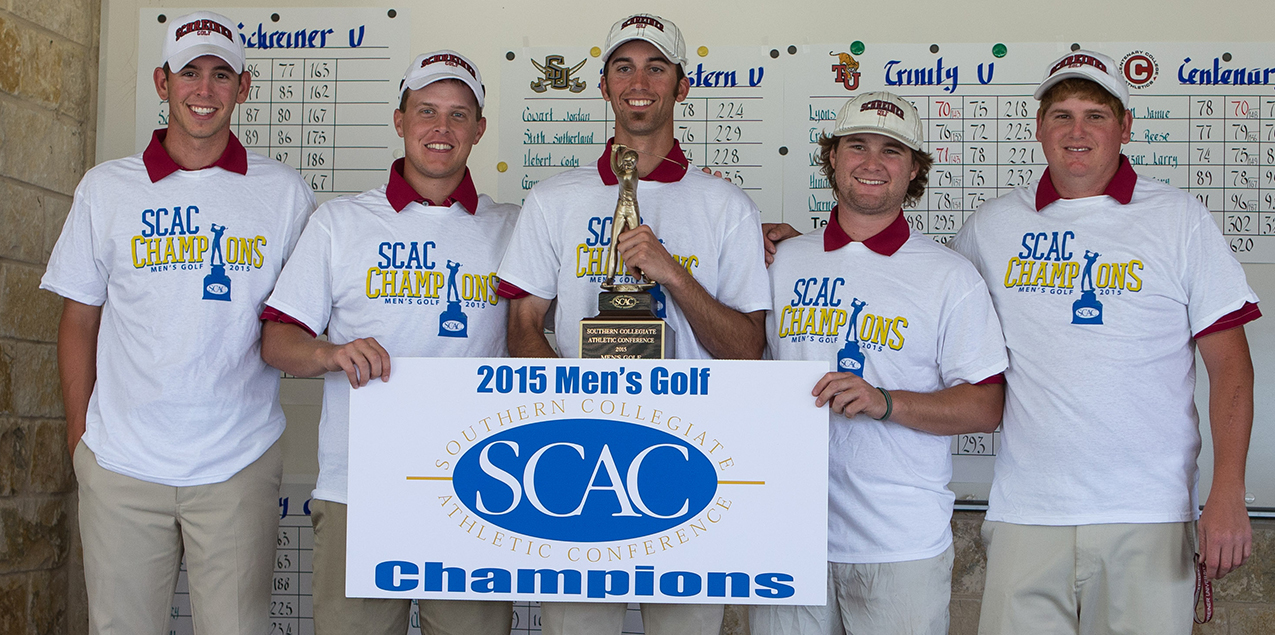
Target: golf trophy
(626,326)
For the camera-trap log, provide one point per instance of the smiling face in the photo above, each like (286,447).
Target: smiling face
(1081,140)
(439,124)
(871,173)
(201,98)
(643,87)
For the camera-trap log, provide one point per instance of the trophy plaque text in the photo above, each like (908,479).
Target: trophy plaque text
(626,325)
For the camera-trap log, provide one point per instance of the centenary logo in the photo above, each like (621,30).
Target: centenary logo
(585,480)
(1139,69)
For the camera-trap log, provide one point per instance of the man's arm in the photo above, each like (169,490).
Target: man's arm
(724,332)
(961,409)
(527,327)
(77,364)
(1226,536)
(292,350)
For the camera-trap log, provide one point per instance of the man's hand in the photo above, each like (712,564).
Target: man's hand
(1226,536)
(295,351)
(362,360)
(847,394)
(775,233)
(643,253)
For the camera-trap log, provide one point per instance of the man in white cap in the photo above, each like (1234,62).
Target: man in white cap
(700,240)
(374,271)
(173,420)
(918,353)
(1106,283)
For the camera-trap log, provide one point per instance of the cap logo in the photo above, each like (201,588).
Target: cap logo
(642,19)
(1072,61)
(882,107)
(204,26)
(450,60)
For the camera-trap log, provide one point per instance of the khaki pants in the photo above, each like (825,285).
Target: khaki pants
(1088,579)
(335,614)
(890,598)
(135,533)
(589,618)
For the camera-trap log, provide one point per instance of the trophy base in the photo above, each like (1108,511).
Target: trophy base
(625,337)
(217,284)
(1086,310)
(626,303)
(453,323)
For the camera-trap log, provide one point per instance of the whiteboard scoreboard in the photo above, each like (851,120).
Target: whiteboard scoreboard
(1204,121)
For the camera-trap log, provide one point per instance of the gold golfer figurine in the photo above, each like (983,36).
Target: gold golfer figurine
(624,163)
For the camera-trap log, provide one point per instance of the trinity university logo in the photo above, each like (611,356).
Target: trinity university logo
(847,71)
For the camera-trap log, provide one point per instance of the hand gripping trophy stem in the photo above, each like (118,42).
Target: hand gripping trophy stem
(624,162)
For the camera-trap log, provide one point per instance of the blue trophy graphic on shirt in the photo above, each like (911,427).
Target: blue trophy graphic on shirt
(657,301)
(1087,310)
(453,322)
(850,358)
(216,283)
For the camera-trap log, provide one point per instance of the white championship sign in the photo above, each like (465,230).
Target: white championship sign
(676,481)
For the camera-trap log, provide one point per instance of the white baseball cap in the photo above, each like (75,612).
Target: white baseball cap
(431,67)
(202,33)
(652,28)
(1089,65)
(881,113)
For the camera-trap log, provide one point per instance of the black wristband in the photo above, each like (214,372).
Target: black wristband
(889,404)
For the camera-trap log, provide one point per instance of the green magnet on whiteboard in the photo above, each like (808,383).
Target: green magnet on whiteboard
(999,50)
(857,47)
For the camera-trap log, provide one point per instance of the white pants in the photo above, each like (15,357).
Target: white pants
(335,614)
(891,598)
(1088,579)
(589,618)
(135,533)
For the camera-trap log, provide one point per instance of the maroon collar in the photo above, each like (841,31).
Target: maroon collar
(400,193)
(1120,187)
(160,164)
(885,242)
(665,172)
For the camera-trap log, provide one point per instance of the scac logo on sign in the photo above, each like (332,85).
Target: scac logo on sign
(585,480)
(1139,69)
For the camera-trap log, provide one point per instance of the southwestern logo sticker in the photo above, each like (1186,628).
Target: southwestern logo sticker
(589,480)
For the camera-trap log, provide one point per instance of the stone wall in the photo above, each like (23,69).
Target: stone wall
(48,92)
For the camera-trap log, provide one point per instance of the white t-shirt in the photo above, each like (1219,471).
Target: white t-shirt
(181,268)
(709,225)
(923,321)
(420,281)
(1099,302)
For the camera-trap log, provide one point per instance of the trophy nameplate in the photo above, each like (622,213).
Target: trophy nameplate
(626,326)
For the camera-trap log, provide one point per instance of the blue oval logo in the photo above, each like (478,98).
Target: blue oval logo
(850,364)
(585,480)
